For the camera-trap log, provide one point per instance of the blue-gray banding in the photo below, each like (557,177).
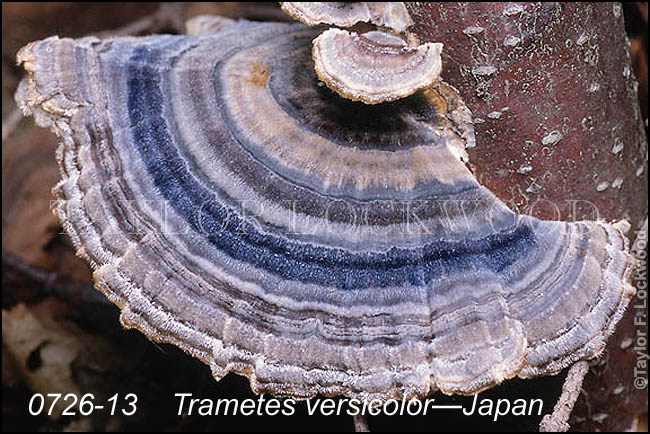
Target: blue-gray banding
(291,260)
(347,190)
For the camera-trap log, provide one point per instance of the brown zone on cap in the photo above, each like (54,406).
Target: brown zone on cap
(259,73)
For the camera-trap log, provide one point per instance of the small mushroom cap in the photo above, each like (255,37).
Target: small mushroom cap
(374,67)
(232,206)
(393,15)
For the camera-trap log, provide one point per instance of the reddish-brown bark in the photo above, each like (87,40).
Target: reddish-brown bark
(553,95)
(557,123)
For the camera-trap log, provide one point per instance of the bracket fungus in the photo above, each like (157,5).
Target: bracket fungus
(373,67)
(392,15)
(384,68)
(232,206)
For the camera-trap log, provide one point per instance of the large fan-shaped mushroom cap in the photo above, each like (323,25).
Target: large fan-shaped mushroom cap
(234,207)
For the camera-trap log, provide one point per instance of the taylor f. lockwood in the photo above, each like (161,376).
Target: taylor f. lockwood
(262,405)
